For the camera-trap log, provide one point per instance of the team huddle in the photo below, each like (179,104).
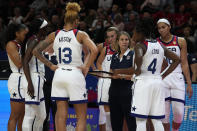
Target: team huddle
(141,87)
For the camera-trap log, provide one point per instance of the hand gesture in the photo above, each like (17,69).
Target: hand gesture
(30,90)
(84,70)
(189,91)
(53,67)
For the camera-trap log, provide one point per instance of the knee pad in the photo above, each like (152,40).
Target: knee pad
(178,112)
(102,116)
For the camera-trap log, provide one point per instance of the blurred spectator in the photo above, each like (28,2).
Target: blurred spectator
(130,25)
(118,22)
(105,4)
(2,34)
(83,10)
(99,31)
(38,4)
(164,13)
(90,18)
(114,11)
(180,19)
(129,9)
(29,16)
(18,18)
(154,3)
(192,52)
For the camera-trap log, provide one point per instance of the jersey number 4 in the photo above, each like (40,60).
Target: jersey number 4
(152,66)
(67,53)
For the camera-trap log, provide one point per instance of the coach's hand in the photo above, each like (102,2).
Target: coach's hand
(84,70)
(53,67)
(30,90)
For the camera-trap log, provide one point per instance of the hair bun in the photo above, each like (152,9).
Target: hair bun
(73,6)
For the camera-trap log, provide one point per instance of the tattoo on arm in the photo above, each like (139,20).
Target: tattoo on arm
(38,52)
(28,55)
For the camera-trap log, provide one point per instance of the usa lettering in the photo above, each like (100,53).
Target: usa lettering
(155,51)
(64,39)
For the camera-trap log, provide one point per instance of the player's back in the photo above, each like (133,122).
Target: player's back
(67,49)
(152,60)
(174,47)
(13,67)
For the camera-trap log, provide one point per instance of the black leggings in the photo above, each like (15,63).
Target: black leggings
(120,109)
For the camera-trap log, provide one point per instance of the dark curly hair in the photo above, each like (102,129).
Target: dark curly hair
(146,27)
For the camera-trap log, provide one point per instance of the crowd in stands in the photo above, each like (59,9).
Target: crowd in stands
(97,15)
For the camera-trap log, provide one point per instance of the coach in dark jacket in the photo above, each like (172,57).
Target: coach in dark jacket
(120,92)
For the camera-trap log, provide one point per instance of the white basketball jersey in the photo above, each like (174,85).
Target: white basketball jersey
(67,49)
(174,47)
(13,67)
(108,56)
(35,65)
(152,60)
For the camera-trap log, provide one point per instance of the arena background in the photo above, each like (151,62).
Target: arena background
(95,19)
(189,122)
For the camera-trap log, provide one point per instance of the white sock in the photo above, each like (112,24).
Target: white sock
(108,122)
(158,126)
(141,124)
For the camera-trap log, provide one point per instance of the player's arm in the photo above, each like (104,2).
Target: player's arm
(86,54)
(86,41)
(37,51)
(175,61)
(12,51)
(28,55)
(101,59)
(184,65)
(100,47)
(140,50)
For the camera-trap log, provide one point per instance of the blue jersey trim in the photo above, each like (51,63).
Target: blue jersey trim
(147,116)
(38,87)
(60,98)
(19,83)
(36,64)
(17,100)
(175,99)
(78,102)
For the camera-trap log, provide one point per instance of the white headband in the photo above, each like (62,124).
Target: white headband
(44,23)
(164,21)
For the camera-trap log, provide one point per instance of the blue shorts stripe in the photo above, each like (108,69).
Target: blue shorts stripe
(17,100)
(78,102)
(60,98)
(147,116)
(175,99)
(19,84)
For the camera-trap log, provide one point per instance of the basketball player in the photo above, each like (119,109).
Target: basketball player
(69,78)
(103,63)
(15,36)
(174,83)
(148,99)
(33,83)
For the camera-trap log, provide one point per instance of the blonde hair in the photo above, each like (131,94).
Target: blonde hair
(117,40)
(72,10)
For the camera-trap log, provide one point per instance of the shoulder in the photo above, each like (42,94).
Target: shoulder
(182,42)
(11,44)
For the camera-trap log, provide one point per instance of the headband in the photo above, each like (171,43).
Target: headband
(164,21)
(44,23)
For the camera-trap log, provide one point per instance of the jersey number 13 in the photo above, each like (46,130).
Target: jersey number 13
(66,58)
